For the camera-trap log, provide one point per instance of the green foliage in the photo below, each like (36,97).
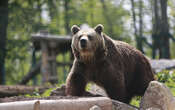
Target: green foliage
(164,76)
(26,17)
(88,86)
(168,78)
(136,101)
(37,95)
(47,92)
(34,94)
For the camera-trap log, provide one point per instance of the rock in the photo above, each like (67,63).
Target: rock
(162,64)
(95,89)
(157,97)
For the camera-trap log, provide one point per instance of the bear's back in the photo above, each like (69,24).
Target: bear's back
(122,54)
(126,58)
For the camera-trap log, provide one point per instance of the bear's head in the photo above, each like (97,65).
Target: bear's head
(88,44)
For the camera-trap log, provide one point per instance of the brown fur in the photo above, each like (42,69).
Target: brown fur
(119,68)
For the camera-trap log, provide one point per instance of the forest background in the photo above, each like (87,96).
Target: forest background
(149,25)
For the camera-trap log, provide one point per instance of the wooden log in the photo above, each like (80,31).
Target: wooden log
(63,104)
(6,91)
(122,106)
(21,105)
(95,107)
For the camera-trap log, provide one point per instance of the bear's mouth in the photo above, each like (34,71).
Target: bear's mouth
(86,55)
(84,50)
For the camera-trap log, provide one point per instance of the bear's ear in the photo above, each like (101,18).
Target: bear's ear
(75,29)
(99,28)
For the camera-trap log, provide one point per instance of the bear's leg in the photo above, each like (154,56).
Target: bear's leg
(117,93)
(116,90)
(144,77)
(75,84)
(143,83)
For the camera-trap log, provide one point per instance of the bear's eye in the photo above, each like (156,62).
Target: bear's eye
(90,37)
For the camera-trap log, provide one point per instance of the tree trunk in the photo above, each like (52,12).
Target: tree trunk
(164,31)
(52,7)
(155,32)
(134,17)
(107,17)
(138,36)
(161,33)
(140,39)
(3,37)
(66,16)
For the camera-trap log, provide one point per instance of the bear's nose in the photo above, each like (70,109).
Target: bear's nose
(83,43)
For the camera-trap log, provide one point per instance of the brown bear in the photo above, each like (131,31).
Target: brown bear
(119,68)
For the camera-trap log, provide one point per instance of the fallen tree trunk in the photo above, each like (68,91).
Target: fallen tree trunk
(6,91)
(122,106)
(103,103)
(71,103)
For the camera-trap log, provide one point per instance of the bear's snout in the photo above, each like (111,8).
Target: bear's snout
(83,42)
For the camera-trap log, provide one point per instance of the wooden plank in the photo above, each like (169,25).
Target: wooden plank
(49,37)
(63,43)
